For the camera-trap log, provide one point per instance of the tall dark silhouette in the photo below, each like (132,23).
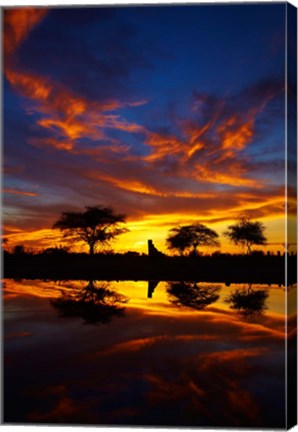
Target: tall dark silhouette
(192,295)
(151,287)
(94,226)
(247,301)
(153,252)
(94,303)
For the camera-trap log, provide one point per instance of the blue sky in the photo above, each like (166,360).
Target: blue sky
(174,111)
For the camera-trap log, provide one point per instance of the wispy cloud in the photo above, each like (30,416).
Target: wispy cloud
(19,192)
(67,116)
(97,132)
(17,25)
(211,147)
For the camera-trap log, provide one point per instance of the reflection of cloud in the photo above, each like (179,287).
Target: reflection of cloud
(140,344)
(231,355)
(64,411)
(39,289)
(202,362)
(292,329)
(12,336)
(147,386)
(211,383)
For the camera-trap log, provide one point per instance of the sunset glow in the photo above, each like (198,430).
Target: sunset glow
(154,125)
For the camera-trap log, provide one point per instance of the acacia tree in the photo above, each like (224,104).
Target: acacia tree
(246,233)
(94,226)
(188,237)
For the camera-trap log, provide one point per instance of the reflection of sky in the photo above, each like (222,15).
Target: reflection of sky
(158,364)
(170,112)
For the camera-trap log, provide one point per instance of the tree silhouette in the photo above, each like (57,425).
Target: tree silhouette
(94,226)
(94,304)
(188,237)
(246,233)
(248,302)
(19,250)
(4,242)
(192,295)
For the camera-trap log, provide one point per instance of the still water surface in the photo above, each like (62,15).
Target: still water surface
(144,353)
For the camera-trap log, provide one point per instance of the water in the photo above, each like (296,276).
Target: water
(139,353)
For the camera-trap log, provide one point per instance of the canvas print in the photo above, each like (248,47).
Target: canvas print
(149,215)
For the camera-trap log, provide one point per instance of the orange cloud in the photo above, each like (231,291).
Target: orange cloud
(17,24)
(162,146)
(217,165)
(54,143)
(115,122)
(211,151)
(66,115)
(207,152)
(29,85)
(236,134)
(235,175)
(36,239)
(171,209)
(131,185)
(19,192)
(220,164)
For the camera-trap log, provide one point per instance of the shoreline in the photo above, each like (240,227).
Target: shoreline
(226,269)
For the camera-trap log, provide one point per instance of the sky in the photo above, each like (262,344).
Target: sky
(171,115)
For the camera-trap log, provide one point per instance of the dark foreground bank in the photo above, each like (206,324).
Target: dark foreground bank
(222,268)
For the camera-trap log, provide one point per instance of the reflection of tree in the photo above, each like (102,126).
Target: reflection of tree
(248,302)
(151,287)
(94,303)
(191,295)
